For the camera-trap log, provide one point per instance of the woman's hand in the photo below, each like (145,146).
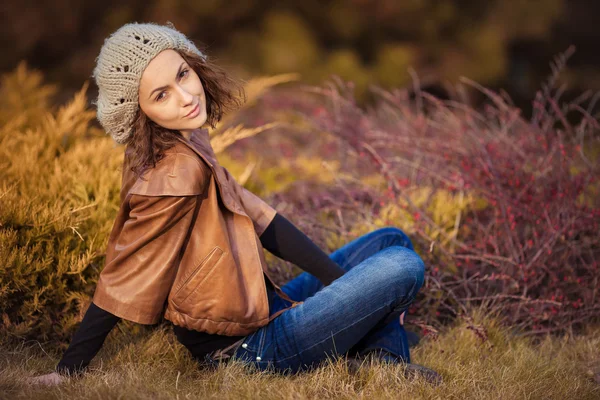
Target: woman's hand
(402,318)
(51,379)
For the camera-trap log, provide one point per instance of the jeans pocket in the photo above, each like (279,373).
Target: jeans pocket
(255,341)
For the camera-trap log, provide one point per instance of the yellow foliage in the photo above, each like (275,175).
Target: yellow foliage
(221,141)
(257,86)
(277,178)
(346,64)
(480,55)
(393,60)
(24,101)
(444,208)
(59,192)
(287,44)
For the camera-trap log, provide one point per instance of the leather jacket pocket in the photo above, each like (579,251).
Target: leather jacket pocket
(198,275)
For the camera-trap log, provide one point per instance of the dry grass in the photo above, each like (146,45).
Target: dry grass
(153,365)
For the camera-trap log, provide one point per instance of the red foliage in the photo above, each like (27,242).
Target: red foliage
(531,253)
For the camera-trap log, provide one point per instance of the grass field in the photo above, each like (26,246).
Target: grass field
(154,365)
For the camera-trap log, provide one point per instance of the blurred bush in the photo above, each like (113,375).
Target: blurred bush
(504,210)
(59,190)
(361,40)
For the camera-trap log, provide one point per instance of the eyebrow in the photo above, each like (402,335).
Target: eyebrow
(166,86)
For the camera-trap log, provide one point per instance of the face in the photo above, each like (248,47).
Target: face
(169,90)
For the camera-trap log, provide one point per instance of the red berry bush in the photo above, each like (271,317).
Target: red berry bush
(527,248)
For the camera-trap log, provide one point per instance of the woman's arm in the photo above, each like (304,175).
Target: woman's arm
(87,341)
(84,346)
(151,218)
(287,242)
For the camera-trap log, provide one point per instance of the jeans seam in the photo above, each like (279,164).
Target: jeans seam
(347,327)
(403,343)
(260,341)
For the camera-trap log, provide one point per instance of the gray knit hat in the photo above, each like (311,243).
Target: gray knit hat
(123,58)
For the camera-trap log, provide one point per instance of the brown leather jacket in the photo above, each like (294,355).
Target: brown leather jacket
(185,245)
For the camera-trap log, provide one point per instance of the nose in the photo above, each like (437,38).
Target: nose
(187,98)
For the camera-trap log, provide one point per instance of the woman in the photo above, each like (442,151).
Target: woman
(187,242)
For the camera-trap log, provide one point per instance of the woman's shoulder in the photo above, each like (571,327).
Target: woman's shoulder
(180,172)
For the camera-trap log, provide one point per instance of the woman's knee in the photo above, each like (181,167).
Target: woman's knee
(398,237)
(403,266)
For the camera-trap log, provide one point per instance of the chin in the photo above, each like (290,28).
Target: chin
(200,122)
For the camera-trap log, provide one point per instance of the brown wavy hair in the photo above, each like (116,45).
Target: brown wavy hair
(149,140)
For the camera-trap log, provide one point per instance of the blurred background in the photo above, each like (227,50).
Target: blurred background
(502,44)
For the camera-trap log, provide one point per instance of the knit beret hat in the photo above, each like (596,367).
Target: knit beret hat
(123,58)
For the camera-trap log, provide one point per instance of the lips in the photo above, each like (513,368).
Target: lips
(193,110)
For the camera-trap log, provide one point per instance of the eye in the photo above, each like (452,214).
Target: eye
(159,98)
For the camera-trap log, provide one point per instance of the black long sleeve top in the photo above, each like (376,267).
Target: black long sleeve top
(281,238)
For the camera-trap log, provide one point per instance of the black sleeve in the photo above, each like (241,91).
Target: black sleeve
(87,341)
(287,242)
(201,344)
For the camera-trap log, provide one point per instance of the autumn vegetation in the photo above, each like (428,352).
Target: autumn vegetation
(503,208)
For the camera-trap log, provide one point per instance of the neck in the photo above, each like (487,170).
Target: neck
(186,134)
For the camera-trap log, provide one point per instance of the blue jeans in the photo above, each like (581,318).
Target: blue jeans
(353,314)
